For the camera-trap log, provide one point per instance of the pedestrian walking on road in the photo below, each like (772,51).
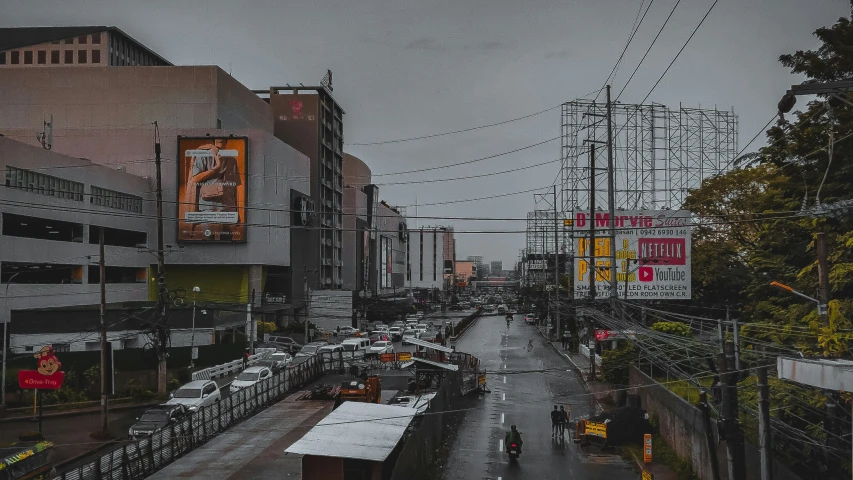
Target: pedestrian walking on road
(245,359)
(564,340)
(564,420)
(555,421)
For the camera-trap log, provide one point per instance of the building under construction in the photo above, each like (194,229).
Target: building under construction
(659,153)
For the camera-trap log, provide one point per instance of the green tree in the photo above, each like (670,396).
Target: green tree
(673,328)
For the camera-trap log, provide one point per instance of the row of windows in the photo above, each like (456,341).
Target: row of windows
(70,190)
(67,57)
(43,184)
(125,53)
(81,40)
(117,200)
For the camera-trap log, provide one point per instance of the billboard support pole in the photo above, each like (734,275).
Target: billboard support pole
(591,246)
(556,271)
(161,274)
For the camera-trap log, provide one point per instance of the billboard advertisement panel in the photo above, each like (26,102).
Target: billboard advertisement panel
(652,254)
(212,189)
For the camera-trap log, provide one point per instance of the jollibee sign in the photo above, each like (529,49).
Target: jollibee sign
(47,375)
(652,254)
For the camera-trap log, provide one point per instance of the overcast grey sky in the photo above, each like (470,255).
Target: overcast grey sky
(415,67)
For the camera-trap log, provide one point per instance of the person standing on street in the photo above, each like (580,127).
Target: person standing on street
(555,421)
(564,420)
(563,340)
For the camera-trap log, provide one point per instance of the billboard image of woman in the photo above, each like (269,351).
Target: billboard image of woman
(212,189)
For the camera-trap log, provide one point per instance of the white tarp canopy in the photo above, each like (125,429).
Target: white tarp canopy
(361,431)
(446,366)
(425,344)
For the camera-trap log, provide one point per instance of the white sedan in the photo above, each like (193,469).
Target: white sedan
(249,377)
(381,346)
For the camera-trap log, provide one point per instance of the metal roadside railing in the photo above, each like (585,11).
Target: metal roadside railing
(140,458)
(218,371)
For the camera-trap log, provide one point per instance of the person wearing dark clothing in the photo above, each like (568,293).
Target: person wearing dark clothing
(555,421)
(245,359)
(564,420)
(565,340)
(513,436)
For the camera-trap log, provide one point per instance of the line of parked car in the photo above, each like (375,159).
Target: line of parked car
(201,393)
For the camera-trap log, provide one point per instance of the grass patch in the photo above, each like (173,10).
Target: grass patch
(686,390)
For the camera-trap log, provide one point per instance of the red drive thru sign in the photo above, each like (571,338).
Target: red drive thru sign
(47,375)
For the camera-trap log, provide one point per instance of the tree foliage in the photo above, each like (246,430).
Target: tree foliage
(673,328)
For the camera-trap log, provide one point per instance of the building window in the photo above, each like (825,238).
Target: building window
(54,57)
(83,39)
(25,226)
(96,38)
(96,56)
(68,41)
(103,197)
(69,56)
(118,237)
(61,347)
(42,57)
(28,57)
(40,273)
(43,184)
(2,58)
(16,57)
(434,255)
(55,42)
(117,274)
(421,263)
(81,56)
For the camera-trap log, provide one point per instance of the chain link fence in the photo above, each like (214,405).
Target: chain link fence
(141,458)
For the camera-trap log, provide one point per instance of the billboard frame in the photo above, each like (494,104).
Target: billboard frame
(178,203)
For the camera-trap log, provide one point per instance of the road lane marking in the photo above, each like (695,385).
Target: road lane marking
(503,396)
(502,418)
(500,445)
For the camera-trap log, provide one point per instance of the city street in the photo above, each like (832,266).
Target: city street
(524,388)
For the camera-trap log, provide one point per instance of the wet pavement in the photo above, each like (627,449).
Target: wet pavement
(525,386)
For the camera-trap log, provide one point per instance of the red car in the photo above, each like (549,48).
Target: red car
(379,336)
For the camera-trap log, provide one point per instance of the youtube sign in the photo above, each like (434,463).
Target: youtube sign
(646,274)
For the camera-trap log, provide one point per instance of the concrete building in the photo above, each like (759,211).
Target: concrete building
(466,272)
(375,236)
(106,115)
(310,120)
(51,212)
(87,46)
(449,249)
(496,268)
(426,257)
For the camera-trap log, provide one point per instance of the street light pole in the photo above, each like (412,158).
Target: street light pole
(5,327)
(821,307)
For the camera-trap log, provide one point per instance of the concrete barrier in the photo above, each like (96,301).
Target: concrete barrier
(218,371)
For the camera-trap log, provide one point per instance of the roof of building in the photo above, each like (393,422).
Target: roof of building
(361,431)
(18,37)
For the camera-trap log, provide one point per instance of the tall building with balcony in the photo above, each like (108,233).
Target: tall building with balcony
(311,121)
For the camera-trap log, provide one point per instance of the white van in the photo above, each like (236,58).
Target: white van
(356,347)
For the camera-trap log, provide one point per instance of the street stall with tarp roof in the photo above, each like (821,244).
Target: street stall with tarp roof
(357,440)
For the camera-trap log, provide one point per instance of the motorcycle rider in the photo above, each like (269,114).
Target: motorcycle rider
(513,436)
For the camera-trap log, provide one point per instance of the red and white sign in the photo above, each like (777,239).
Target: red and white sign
(34,379)
(652,254)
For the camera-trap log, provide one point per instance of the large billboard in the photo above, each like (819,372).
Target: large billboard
(652,254)
(212,189)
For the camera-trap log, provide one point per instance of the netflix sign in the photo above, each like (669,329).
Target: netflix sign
(652,254)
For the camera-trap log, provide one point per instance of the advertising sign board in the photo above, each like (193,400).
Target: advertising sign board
(652,254)
(596,429)
(212,189)
(47,375)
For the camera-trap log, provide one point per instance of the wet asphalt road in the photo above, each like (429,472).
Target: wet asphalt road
(525,399)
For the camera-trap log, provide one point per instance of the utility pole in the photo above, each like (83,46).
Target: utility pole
(731,425)
(103,281)
(307,306)
(611,199)
(764,425)
(709,434)
(161,274)
(736,335)
(591,246)
(556,269)
(823,276)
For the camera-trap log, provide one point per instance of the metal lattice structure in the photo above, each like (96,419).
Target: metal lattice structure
(659,153)
(539,244)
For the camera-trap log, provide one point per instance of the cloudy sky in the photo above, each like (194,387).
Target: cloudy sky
(410,68)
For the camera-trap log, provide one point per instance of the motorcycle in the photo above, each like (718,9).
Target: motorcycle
(513,451)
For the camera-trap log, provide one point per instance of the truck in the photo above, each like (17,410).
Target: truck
(365,391)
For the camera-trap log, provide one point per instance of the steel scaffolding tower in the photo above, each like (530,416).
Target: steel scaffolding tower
(659,153)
